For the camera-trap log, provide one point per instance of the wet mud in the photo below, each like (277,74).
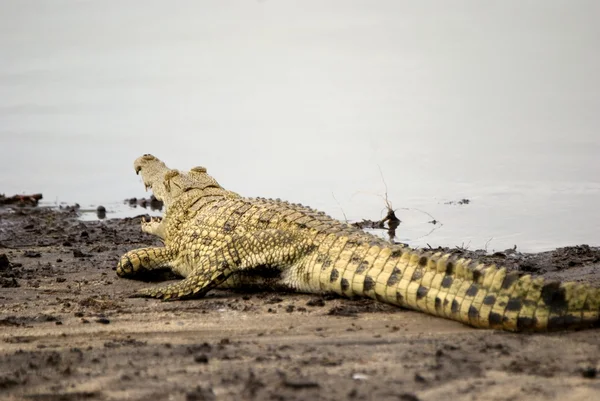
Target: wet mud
(68,331)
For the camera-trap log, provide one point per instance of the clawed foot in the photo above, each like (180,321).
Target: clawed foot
(195,286)
(151,220)
(164,294)
(153,225)
(154,293)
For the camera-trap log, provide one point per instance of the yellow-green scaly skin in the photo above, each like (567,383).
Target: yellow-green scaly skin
(213,237)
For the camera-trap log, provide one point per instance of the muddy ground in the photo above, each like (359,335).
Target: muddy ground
(68,331)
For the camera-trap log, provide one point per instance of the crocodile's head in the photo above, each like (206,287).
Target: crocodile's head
(170,185)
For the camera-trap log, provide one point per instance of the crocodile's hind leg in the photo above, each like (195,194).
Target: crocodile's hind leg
(143,260)
(272,248)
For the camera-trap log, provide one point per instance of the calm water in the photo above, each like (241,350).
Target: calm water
(497,102)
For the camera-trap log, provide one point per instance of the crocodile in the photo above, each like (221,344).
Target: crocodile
(215,238)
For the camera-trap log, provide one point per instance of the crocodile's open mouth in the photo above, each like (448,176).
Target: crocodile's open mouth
(147,185)
(152,171)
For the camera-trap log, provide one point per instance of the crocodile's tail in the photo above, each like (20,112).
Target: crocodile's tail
(475,293)
(486,296)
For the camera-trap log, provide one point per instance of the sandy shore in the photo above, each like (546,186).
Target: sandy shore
(68,331)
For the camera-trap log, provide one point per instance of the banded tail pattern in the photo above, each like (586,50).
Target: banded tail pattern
(459,289)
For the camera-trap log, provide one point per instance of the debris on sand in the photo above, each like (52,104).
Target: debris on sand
(20,200)
(152,203)
(389,222)
(7,274)
(463,201)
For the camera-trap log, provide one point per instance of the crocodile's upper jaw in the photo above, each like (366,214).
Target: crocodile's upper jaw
(153,175)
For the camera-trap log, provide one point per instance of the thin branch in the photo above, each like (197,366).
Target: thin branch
(388,204)
(340,206)
(433,219)
(487,243)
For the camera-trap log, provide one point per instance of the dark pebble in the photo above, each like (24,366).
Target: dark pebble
(589,373)
(78,254)
(9,282)
(4,262)
(316,302)
(408,397)
(419,378)
(101,212)
(297,384)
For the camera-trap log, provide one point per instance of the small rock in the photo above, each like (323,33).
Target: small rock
(32,254)
(408,397)
(316,302)
(8,282)
(102,320)
(360,376)
(101,212)
(200,394)
(78,254)
(300,383)
(419,378)
(274,300)
(4,262)
(589,372)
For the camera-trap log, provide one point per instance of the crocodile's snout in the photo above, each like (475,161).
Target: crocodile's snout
(145,161)
(152,171)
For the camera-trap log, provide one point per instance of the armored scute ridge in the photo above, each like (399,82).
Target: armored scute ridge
(215,238)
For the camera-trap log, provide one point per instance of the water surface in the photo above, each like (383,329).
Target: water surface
(496,102)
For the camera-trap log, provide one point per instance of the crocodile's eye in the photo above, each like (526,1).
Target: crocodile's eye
(198,169)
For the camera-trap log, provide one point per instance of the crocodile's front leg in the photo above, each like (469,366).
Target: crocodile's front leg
(142,260)
(273,248)
(155,226)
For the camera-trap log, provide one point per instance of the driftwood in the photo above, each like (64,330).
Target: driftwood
(20,200)
(390,218)
(152,203)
